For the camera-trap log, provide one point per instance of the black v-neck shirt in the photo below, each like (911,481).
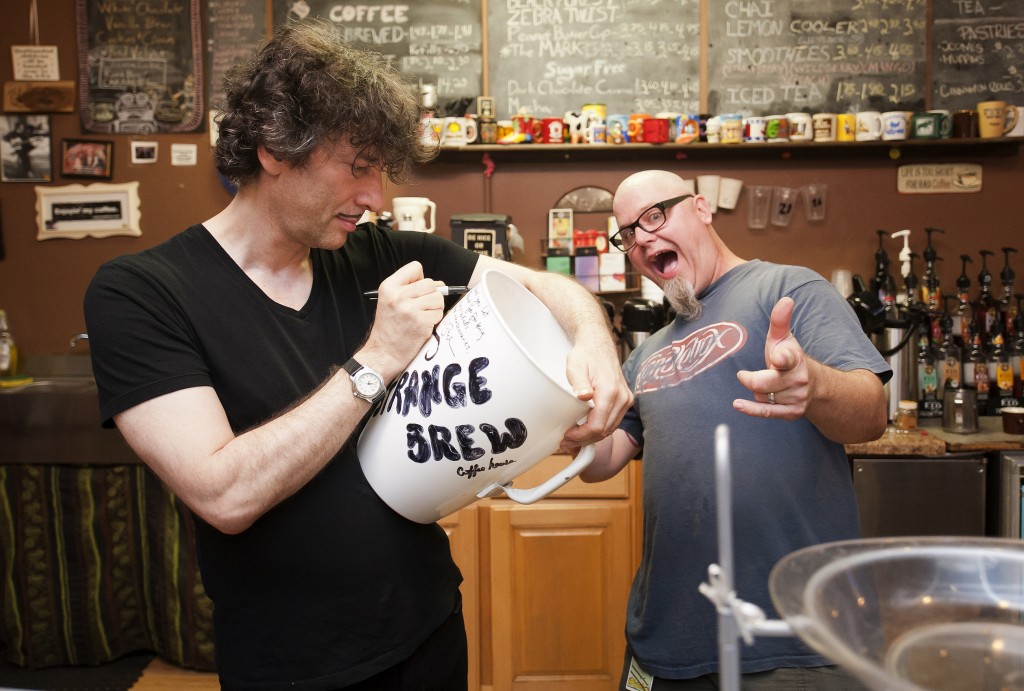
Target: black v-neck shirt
(331,586)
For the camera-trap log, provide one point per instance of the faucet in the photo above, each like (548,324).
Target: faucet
(78,337)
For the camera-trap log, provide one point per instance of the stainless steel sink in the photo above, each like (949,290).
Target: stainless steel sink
(55,419)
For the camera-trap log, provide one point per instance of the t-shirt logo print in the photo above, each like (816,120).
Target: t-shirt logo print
(683,360)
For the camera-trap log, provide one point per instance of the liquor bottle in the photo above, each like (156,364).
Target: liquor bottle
(882,283)
(976,369)
(1000,374)
(928,402)
(931,293)
(963,317)
(8,349)
(985,307)
(948,357)
(1016,351)
(1007,307)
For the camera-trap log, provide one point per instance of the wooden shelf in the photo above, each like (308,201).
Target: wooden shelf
(892,150)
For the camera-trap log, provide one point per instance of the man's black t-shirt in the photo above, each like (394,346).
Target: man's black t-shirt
(331,586)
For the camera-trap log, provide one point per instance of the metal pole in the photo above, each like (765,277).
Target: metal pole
(728,630)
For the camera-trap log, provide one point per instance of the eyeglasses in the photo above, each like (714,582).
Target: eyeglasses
(651,220)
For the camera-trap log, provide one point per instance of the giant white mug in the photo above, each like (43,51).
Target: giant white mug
(485,400)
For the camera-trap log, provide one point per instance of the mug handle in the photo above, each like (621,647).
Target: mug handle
(1011,118)
(433,216)
(528,496)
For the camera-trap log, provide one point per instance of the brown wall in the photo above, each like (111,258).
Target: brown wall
(42,283)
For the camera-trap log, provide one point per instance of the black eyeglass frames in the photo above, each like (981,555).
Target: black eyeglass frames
(652,220)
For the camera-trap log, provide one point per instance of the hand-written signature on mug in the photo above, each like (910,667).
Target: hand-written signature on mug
(462,327)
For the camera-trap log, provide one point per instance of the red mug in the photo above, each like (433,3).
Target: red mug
(552,131)
(656,130)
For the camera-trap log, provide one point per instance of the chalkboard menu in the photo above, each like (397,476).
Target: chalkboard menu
(767,56)
(234,29)
(437,42)
(977,53)
(139,66)
(631,55)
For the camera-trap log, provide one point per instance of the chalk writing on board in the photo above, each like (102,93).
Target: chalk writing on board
(977,52)
(234,30)
(438,42)
(138,66)
(631,55)
(777,55)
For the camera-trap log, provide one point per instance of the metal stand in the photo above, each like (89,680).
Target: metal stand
(736,618)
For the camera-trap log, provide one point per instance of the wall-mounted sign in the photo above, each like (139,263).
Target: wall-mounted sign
(938,178)
(140,66)
(35,63)
(97,210)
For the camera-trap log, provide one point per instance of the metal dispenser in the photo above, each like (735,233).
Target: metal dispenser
(640,318)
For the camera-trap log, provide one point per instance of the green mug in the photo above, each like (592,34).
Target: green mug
(926,126)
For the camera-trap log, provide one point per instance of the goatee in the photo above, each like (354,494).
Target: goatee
(679,293)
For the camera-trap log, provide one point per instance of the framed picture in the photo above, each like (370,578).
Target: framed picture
(144,152)
(98,210)
(83,158)
(25,148)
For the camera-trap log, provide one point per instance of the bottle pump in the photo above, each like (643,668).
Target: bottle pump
(1007,310)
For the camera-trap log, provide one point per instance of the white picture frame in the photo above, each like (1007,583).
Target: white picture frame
(144,153)
(98,210)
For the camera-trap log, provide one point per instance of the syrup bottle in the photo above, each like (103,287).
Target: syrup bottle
(985,308)
(1007,307)
(948,354)
(976,369)
(1000,374)
(964,315)
(928,402)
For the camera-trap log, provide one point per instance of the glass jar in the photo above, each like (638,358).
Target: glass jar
(905,419)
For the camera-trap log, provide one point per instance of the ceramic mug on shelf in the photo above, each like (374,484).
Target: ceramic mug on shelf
(458,131)
(965,124)
(824,127)
(995,119)
(801,127)
(894,125)
(926,126)
(777,128)
(846,127)
(869,126)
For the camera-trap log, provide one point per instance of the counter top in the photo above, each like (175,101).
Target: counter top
(929,439)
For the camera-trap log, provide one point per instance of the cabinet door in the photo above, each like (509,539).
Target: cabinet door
(559,574)
(463,535)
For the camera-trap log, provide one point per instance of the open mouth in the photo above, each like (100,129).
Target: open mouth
(664,263)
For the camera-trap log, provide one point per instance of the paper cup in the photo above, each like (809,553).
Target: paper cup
(729,193)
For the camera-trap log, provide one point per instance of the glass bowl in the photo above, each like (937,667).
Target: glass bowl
(911,613)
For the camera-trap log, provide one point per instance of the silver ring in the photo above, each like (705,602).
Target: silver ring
(771,398)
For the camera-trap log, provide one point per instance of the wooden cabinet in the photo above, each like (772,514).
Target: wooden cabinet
(546,585)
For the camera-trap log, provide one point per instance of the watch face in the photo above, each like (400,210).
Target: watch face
(368,384)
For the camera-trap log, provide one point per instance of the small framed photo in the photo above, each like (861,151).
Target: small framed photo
(84,158)
(25,148)
(560,228)
(144,152)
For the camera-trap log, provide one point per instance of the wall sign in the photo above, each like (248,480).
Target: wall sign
(139,66)
(771,56)
(977,53)
(97,210)
(437,42)
(940,178)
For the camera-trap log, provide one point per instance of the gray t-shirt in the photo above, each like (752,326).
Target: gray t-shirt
(791,487)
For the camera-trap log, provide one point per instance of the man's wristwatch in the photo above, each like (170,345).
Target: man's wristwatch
(366,383)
